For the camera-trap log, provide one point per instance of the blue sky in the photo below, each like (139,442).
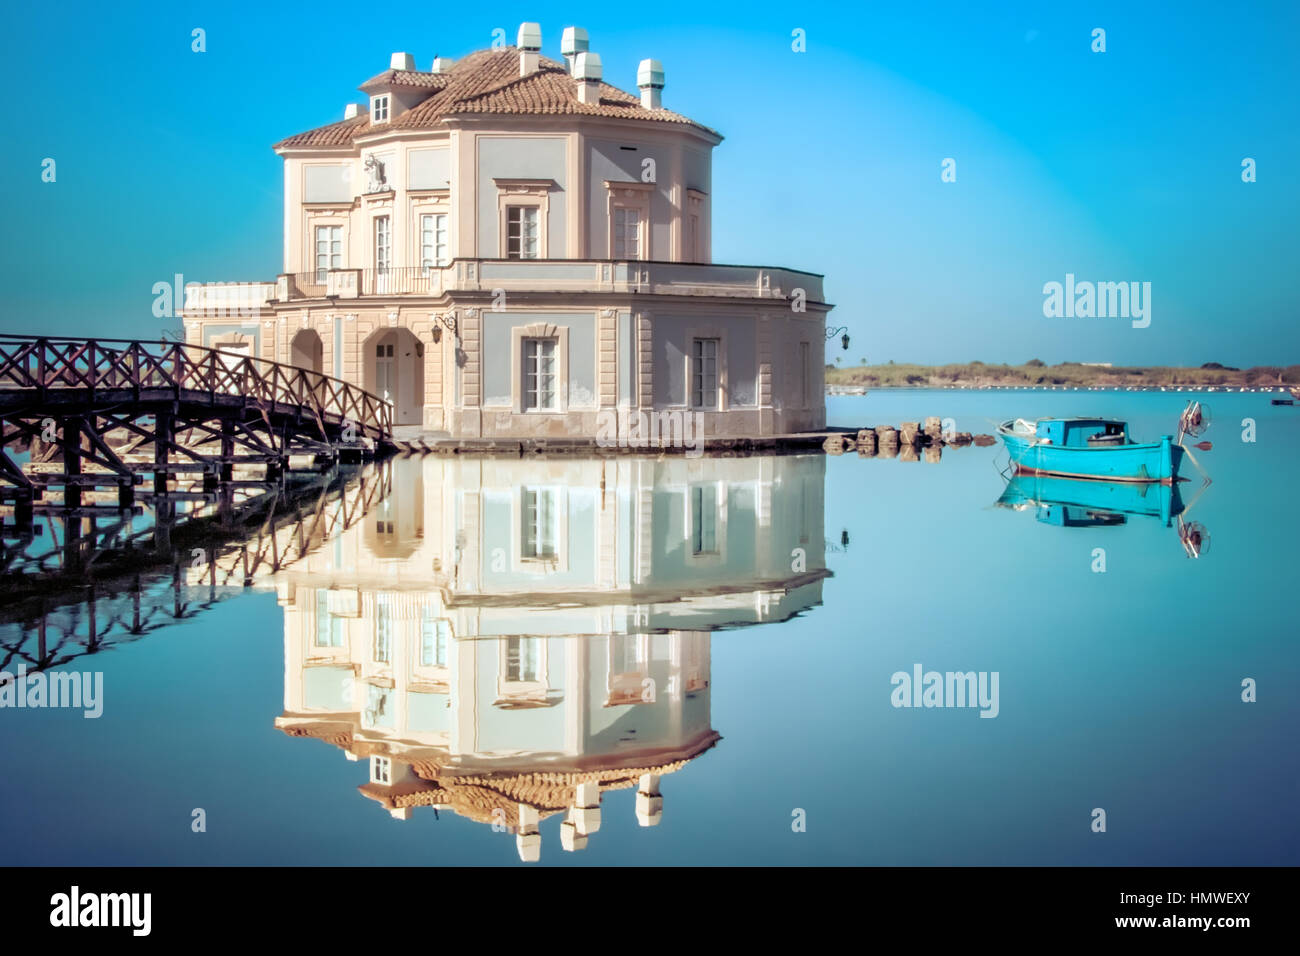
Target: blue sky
(1115,166)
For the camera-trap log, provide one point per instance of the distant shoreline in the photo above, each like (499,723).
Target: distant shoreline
(1220,389)
(1067,376)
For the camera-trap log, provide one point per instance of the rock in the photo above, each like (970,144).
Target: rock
(933,454)
(959,438)
(908,453)
(866,436)
(985,440)
(838,444)
(934,428)
(908,431)
(886,435)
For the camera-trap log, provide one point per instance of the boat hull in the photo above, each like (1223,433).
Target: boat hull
(1151,461)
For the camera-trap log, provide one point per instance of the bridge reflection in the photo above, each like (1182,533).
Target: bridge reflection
(73,585)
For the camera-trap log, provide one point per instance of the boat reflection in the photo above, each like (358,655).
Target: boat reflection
(1071,503)
(510,639)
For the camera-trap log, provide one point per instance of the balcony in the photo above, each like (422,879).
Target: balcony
(553,275)
(353,283)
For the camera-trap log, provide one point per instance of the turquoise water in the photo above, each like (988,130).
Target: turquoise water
(712,644)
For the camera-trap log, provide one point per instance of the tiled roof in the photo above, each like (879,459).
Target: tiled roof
(488,82)
(478,795)
(336,134)
(481,796)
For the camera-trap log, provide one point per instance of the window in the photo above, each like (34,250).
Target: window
(540,523)
(805,512)
(704,373)
(805,373)
(379,109)
(381,770)
(433,241)
(704,519)
(383,245)
(697,220)
(329,629)
(522,232)
(629,219)
(524,659)
(539,375)
(329,250)
(383,632)
(627,654)
(627,233)
(435,634)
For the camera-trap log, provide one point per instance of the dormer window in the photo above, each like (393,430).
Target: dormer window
(379,108)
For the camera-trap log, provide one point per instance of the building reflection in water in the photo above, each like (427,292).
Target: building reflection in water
(510,639)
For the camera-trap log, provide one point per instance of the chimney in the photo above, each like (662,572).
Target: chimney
(401,61)
(350,111)
(441,64)
(650,81)
(586,70)
(530,45)
(572,43)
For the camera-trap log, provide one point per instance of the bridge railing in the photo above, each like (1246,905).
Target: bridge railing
(37,362)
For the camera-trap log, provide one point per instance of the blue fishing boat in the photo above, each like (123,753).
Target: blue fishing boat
(1095,448)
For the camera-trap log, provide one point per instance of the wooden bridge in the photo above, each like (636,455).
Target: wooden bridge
(106,413)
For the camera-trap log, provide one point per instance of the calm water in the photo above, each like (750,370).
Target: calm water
(719,634)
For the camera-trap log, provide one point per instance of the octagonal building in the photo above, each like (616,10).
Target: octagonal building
(506,246)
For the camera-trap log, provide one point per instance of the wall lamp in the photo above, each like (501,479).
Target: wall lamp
(842,332)
(449,322)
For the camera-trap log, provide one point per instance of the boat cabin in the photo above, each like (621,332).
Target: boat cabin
(1082,432)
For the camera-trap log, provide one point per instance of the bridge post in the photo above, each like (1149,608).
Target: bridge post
(227,449)
(70,438)
(163,512)
(226,507)
(23,511)
(162,438)
(73,543)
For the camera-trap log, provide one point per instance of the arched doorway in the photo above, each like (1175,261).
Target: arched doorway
(307,351)
(394,369)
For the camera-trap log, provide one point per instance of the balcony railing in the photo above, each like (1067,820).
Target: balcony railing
(554,275)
